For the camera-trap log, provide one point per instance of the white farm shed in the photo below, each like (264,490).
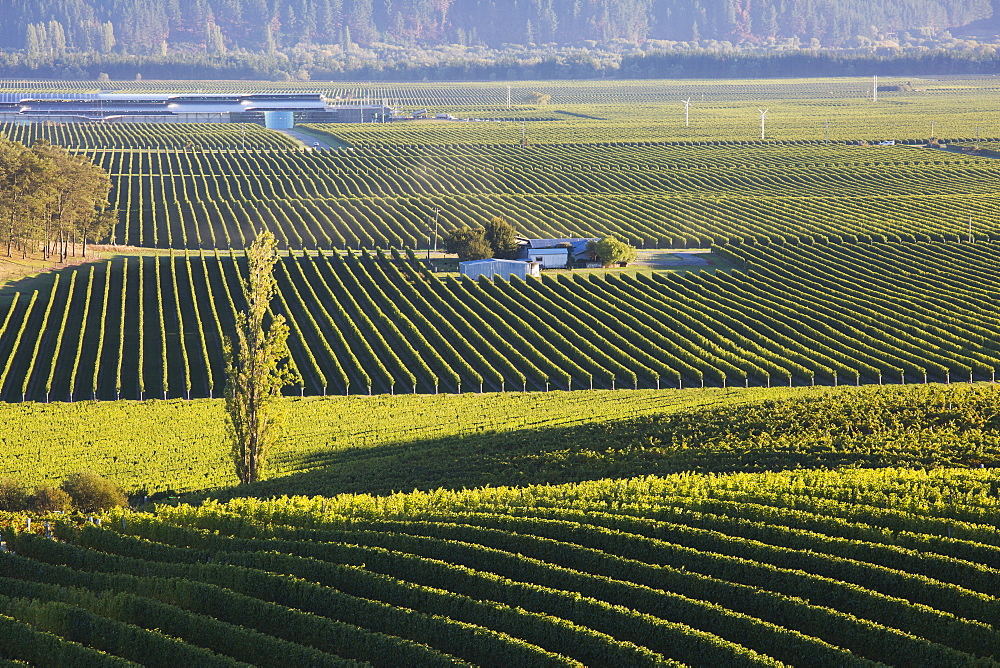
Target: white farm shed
(550,258)
(495,268)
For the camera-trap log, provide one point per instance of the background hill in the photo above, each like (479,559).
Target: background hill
(151,27)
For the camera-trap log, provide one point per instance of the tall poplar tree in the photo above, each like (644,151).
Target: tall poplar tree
(107,37)
(257,366)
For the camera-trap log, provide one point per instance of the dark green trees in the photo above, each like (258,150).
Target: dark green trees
(502,238)
(498,238)
(469,244)
(50,198)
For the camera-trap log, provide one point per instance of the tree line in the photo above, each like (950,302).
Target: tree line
(84,491)
(51,200)
(505,65)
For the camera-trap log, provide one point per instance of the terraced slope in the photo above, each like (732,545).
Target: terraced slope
(849,568)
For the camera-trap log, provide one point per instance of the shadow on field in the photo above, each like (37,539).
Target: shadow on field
(769,437)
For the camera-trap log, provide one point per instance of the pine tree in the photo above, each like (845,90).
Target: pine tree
(42,34)
(57,39)
(362,22)
(502,238)
(269,45)
(328,21)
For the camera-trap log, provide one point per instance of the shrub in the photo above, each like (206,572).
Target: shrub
(14,496)
(49,499)
(91,492)
(469,244)
(611,251)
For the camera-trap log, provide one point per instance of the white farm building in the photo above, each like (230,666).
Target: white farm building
(494,268)
(549,258)
(554,253)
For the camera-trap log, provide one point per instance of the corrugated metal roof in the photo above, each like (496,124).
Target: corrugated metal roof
(116,103)
(17,96)
(578,245)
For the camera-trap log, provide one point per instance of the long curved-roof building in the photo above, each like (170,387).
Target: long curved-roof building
(278,110)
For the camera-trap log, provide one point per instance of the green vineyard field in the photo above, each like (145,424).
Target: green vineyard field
(603,158)
(384,443)
(846,568)
(155,446)
(651,110)
(784,453)
(656,196)
(129,137)
(805,314)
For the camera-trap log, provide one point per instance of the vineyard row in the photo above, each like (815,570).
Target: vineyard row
(649,571)
(653,196)
(796,315)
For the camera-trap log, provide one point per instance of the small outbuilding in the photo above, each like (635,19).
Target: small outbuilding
(554,253)
(494,268)
(549,258)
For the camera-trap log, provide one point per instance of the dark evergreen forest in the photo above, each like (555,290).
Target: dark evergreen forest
(490,39)
(52,28)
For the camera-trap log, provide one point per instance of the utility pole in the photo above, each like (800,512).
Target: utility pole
(977,137)
(826,134)
(508,98)
(687,108)
(970,229)
(437,213)
(524,133)
(875,88)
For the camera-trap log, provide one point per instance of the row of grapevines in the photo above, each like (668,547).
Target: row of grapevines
(793,315)
(686,568)
(668,196)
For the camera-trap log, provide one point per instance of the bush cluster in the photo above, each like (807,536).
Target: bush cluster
(85,491)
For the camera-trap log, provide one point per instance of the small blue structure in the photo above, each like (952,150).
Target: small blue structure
(279,120)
